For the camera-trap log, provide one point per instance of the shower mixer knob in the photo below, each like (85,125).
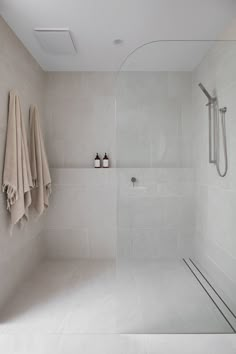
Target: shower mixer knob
(133,180)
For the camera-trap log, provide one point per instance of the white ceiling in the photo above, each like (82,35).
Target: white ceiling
(94,25)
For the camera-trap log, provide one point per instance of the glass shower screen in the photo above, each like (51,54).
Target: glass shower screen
(172,225)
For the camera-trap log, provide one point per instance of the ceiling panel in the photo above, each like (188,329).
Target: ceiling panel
(95,24)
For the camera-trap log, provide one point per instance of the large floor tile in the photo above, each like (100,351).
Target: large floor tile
(101,297)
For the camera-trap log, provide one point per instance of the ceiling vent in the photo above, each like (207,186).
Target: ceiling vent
(56,41)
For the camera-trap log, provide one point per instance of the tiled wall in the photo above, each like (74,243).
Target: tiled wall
(80,113)
(81,221)
(156,215)
(20,252)
(154,136)
(215,239)
(152,128)
(154,120)
(152,123)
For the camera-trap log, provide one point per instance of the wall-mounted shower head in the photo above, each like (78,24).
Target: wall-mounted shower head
(204,90)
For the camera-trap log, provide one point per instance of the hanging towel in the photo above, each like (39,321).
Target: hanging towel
(17,180)
(39,164)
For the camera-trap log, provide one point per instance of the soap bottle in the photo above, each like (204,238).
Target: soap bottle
(97,161)
(105,161)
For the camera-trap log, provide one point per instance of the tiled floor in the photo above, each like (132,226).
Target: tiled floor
(117,344)
(81,307)
(100,297)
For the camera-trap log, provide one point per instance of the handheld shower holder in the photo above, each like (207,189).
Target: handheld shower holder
(223,109)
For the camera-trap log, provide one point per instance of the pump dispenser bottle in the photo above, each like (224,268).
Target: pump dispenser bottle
(97,161)
(105,161)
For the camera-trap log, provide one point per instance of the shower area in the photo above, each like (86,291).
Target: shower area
(147,246)
(176,270)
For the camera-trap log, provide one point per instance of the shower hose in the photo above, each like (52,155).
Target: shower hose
(219,117)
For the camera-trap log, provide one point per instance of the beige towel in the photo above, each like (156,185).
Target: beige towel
(39,164)
(17,180)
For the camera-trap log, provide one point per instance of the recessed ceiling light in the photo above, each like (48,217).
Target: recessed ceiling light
(118,41)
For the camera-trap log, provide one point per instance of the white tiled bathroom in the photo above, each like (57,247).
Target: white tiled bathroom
(139,257)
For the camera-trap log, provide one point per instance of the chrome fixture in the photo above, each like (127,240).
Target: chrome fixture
(118,41)
(133,180)
(222,112)
(210,98)
(215,115)
(211,101)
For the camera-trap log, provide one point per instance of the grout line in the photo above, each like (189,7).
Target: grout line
(209,296)
(232,313)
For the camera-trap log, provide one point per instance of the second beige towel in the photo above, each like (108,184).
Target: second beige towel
(39,164)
